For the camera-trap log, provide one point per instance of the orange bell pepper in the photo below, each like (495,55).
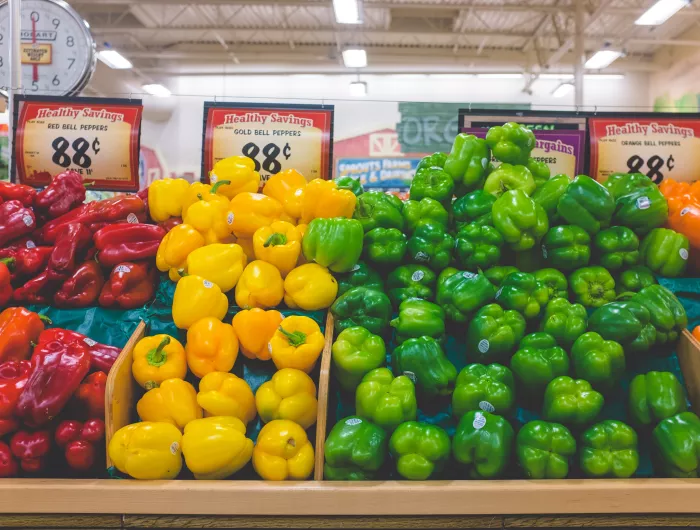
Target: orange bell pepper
(19,327)
(251,211)
(686,221)
(678,194)
(696,333)
(254,329)
(322,198)
(288,188)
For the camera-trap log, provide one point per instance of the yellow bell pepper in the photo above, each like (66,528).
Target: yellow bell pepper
(199,191)
(165,198)
(174,401)
(220,263)
(211,346)
(156,359)
(260,285)
(254,329)
(289,395)
(225,394)
(310,287)
(240,172)
(288,188)
(196,298)
(302,230)
(283,452)
(322,198)
(251,211)
(147,450)
(175,247)
(215,448)
(246,244)
(278,244)
(297,343)
(211,219)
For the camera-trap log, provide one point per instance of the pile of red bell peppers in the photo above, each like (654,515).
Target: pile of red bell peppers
(52,396)
(56,249)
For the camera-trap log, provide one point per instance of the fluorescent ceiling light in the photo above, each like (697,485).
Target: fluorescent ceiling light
(563,90)
(602,59)
(355,58)
(114,59)
(660,12)
(358,89)
(157,90)
(347,11)
(500,76)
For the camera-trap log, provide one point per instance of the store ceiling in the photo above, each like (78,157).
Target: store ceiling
(181,37)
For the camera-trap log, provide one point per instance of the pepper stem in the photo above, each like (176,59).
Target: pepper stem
(157,357)
(199,196)
(295,338)
(88,184)
(9,263)
(46,320)
(215,187)
(182,273)
(275,240)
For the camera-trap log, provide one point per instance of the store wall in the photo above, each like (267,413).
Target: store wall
(676,86)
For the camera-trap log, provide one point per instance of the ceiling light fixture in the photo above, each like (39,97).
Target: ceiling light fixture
(355,58)
(358,89)
(564,89)
(660,12)
(347,11)
(603,58)
(156,89)
(114,59)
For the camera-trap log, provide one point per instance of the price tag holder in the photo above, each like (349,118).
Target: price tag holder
(99,138)
(276,137)
(659,147)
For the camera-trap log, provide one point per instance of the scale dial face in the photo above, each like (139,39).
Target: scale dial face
(57,48)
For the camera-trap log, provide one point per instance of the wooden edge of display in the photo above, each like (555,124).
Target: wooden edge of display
(323,387)
(688,351)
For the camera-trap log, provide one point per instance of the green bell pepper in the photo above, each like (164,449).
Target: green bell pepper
(566,247)
(419,449)
(609,449)
(384,246)
(494,333)
(616,247)
(497,274)
(538,361)
(361,275)
(490,388)
(386,400)
(511,143)
(354,353)
(474,207)
(667,313)
(418,318)
(411,281)
(522,292)
(565,321)
(425,210)
(665,252)
(467,162)
(655,396)
(555,281)
(621,184)
(540,171)
(355,450)
(333,243)
(361,306)
(571,401)
(634,279)
(424,362)
(544,449)
(506,177)
(350,183)
(376,209)
(601,362)
(548,194)
(587,204)
(639,204)
(676,446)
(483,442)
(432,182)
(521,222)
(461,293)
(592,286)
(626,322)
(431,245)
(477,246)
(435,160)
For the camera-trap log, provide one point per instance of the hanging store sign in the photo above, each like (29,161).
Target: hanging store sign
(276,137)
(98,138)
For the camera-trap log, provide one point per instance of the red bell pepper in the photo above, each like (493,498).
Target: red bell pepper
(13,377)
(78,441)
(26,261)
(102,355)
(17,192)
(16,220)
(31,449)
(170,223)
(8,464)
(37,290)
(71,239)
(58,368)
(91,395)
(19,327)
(127,242)
(65,191)
(83,288)
(130,285)
(5,279)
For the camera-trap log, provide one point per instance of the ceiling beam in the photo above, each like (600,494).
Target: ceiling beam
(568,44)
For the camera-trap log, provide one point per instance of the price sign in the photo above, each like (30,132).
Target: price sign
(98,138)
(275,137)
(658,147)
